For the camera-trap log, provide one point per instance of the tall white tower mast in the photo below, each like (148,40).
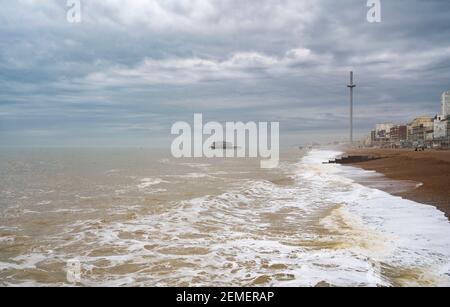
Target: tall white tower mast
(351,86)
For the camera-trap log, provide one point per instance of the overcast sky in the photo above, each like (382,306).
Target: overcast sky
(132,68)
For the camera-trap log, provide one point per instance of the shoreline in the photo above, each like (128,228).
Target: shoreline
(430,168)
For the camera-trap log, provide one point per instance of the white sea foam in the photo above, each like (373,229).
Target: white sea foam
(43,203)
(191,176)
(148,182)
(195,175)
(414,235)
(112,172)
(202,166)
(324,227)
(28,261)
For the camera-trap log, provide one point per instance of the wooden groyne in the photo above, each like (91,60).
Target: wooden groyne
(352,159)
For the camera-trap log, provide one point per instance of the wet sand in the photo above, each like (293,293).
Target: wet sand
(431,168)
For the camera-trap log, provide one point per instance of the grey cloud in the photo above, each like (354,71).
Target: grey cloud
(132,68)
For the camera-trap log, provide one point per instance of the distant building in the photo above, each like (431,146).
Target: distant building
(383,132)
(421,129)
(441,134)
(445,103)
(373,136)
(442,127)
(398,133)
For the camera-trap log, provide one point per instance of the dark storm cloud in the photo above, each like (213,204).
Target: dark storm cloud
(132,68)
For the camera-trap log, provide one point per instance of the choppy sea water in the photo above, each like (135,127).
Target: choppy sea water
(134,218)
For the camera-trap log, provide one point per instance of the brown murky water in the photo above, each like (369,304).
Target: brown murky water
(140,217)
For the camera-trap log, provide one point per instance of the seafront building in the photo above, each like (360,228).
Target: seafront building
(442,123)
(383,132)
(442,127)
(399,133)
(388,135)
(422,131)
(445,103)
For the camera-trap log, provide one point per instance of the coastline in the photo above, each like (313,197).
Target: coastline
(429,168)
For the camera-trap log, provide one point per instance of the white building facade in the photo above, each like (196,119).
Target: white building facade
(445,103)
(442,122)
(441,128)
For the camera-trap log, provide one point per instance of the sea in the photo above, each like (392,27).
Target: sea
(138,217)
